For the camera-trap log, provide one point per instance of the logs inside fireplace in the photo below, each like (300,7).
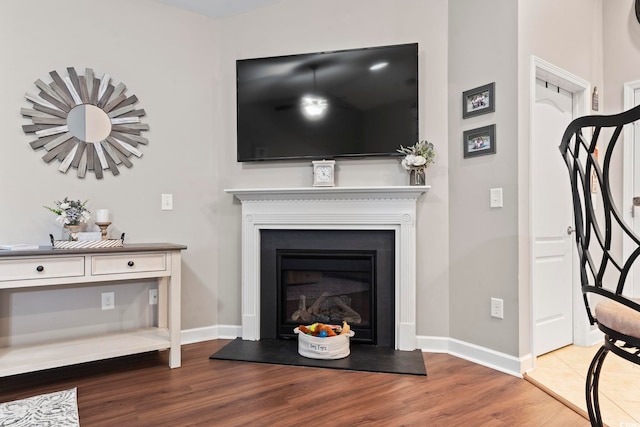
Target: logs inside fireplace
(337,284)
(327,309)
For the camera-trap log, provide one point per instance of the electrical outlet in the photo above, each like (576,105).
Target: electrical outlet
(153,296)
(167,202)
(108,300)
(497,309)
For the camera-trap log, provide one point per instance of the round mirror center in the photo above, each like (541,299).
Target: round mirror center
(89,123)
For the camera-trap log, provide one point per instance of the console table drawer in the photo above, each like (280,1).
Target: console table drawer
(41,268)
(133,263)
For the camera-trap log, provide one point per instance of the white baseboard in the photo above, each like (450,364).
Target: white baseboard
(482,356)
(474,353)
(222,332)
(596,336)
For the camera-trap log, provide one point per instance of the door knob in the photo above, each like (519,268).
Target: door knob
(636,201)
(570,230)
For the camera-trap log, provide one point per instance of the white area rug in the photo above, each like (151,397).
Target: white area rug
(53,409)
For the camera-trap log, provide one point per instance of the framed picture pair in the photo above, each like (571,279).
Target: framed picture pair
(475,102)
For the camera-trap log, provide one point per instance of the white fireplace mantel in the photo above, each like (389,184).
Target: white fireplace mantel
(332,208)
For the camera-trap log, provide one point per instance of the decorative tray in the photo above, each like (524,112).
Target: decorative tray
(87,244)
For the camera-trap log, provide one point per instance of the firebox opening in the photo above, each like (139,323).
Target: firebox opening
(356,268)
(327,287)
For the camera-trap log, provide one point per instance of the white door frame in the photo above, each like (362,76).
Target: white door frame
(581,90)
(629,154)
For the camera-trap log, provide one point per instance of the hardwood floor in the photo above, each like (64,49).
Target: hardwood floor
(142,391)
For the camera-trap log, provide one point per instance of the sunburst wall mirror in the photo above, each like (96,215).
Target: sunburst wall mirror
(85,122)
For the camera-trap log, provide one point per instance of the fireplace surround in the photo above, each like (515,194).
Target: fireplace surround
(332,208)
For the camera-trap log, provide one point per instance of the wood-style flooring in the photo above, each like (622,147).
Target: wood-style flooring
(142,391)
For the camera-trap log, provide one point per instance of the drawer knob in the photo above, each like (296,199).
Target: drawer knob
(40,269)
(130,263)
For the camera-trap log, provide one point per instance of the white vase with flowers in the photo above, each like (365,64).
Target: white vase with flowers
(71,214)
(417,159)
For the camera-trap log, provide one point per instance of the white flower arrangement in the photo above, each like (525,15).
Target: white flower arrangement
(418,156)
(70,212)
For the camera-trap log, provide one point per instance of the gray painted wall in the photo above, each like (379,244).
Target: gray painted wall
(483,240)
(621,54)
(164,57)
(290,27)
(182,67)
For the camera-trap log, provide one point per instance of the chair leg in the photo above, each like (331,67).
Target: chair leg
(593,378)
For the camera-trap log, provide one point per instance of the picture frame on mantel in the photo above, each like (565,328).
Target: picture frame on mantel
(478,101)
(479,141)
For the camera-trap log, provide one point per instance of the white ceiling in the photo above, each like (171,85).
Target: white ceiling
(218,8)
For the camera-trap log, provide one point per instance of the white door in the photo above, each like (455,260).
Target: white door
(631,214)
(552,279)
(635,292)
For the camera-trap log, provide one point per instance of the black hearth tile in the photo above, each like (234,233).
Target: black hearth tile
(363,357)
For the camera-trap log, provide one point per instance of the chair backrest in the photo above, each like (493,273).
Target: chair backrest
(599,225)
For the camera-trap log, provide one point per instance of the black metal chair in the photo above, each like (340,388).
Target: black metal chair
(603,272)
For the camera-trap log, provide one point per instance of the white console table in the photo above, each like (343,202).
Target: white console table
(50,267)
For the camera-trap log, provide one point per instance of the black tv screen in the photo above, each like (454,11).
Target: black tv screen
(348,103)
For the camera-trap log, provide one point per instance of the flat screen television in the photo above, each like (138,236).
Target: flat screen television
(325,105)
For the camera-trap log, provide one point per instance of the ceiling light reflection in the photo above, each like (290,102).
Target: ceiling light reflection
(314,107)
(378,66)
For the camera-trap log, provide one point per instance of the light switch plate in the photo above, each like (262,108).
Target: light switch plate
(496,197)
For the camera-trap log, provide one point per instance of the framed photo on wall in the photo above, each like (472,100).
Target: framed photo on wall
(480,141)
(480,100)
